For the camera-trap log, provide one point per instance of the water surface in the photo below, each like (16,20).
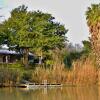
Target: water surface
(64,93)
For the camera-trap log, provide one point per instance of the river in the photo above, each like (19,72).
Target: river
(61,93)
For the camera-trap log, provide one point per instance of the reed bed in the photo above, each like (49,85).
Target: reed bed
(83,72)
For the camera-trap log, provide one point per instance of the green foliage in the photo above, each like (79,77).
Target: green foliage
(9,77)
(86,47)
(70,57)
(27,75)
(75,55)
(33,29)
(93,14)
(16,66)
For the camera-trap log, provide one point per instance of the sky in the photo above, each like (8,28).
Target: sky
(70,13)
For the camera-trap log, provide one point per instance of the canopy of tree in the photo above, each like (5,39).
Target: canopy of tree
(93,14)
(86,47)
(32,29)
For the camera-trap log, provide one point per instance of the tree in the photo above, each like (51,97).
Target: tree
(86,47)
(33,31)
(93,21)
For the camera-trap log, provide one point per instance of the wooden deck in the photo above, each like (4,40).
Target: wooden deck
(34,85)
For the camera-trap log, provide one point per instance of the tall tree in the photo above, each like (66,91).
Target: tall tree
(93,21)
(33,31)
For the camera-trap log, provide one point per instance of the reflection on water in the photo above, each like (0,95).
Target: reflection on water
(65,93)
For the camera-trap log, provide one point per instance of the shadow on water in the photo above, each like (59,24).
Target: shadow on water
(64,93)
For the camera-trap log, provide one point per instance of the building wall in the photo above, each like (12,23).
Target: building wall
(4,58)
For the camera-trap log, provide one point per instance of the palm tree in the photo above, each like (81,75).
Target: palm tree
(93,21)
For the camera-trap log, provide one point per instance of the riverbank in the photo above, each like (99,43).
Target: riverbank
(47,85)
(83,72)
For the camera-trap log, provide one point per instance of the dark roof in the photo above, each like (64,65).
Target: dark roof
(8,52)
(12,52)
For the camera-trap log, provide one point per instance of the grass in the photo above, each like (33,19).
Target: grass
(82,72)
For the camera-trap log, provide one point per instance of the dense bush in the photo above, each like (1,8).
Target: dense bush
(9,77)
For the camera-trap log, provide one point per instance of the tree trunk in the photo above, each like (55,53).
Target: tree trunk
(95,40)
(25,57)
